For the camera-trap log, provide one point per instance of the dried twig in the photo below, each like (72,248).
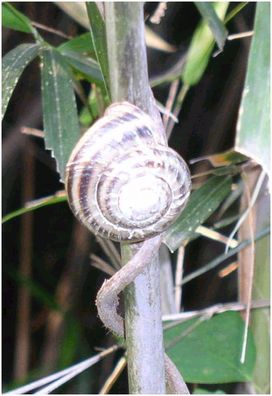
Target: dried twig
(250,266)
(216,236)
(240,35)
(215,309)
(180,99)
(51,30)
(250,206)
(159,13)
(32,132)
(117,371)
(178,277)
(228,270)
(170,101)
(111,251)
(97,262)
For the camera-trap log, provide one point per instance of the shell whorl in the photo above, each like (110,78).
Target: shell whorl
(122,182)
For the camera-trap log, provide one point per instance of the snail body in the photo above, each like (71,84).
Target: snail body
(122,182)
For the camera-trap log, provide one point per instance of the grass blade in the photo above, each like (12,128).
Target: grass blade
(39,204)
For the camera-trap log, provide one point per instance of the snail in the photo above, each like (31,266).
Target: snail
(125,184)
(122,181)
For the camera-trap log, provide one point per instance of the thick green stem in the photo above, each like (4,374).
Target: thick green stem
(129,81)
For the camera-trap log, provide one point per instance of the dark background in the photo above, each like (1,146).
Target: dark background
(57,247)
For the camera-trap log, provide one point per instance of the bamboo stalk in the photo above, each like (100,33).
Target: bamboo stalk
(129,81)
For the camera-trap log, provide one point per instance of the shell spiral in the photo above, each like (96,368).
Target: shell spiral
(121,181)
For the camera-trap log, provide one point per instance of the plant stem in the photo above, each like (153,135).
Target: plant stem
(129,81)
(143,328)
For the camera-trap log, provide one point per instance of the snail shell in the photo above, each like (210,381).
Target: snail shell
(121,181)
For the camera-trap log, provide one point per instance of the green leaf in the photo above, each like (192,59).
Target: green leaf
(253,132)
(201,391)
(88,67)
(14,63)
(60,118)
(98,35)
(175,71)
(81,44)
(202,203)
(217,27)
(13,19)
(208,352)
(201,48)
(52,201)
(235,11)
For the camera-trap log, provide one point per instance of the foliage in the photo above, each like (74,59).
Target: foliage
(206,352)
(253,132)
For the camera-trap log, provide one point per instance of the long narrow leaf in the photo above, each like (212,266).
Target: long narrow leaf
(217,27)
(87,66)
(203,202)
(235,11)
(13,66)
(39,204)
(201,48)
(60,118)
(253,133)
(81,44)
(13,19)
(98,34)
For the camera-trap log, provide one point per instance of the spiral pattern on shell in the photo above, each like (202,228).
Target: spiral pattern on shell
(121,181)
